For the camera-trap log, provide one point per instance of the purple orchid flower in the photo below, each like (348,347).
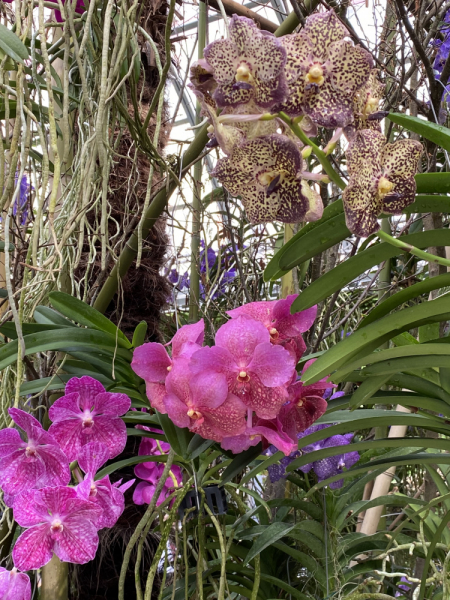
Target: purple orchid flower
(20,204)
(35,463)
(79,10)
(107,497)
(256,370)
(57,522)
(403,586)
(14,585)
(87,413)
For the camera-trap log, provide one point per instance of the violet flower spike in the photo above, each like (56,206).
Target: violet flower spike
(57,522)
(14,585)
(87,413)
(34,463)
(248,66)
(381,179)
(267,173)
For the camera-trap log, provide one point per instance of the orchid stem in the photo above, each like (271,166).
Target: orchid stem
(385,237)
(320,154)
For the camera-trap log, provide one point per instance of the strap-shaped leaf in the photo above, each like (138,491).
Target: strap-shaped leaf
(178,438)
(82,313)
(425,203)
(135,460)
(433,183)
(12,45)
(197,445)
(46,315)
(414,291)
(438,134)
(240,462)
(352,268)
(139,334)
(9,329)
(271,534)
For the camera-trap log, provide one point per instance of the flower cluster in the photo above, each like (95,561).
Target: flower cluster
(151,472)
(244,389)
(35,474)
(316,76)
(325,467)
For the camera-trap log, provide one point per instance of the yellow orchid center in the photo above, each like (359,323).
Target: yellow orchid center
(244,74)
(267,177)
(243,377)
(56,526)
(30,451)
(315,75)
(300,403)
(93,490)
(253,437)
(88,422)
(169,368)
(194,414)
(384,186)
(273,334)
(371,105)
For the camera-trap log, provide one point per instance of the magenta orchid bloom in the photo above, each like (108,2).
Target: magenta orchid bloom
(36,463)
(144,492)
(203,403)
(58,522)
(284,328)
(79,10)
(87,413)
(102,493)
(256,370)
(14,585)
(269,432)
(152,362)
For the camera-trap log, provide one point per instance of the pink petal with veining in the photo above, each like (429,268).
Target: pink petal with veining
(78,543)
(227,419)
(155,393)
(29,509)
(240,337)
(14,585)
(188,333)
(10,441)
(111,404)
(209,390)
(215,359)
(272,364)
(177,410)
(19,473)
(92,456)
(24,420)
(110,431)
(272,431)
(87,387)
(292,325)
(151,362)
(260,311)
(66,407)
(68,434)
(239,443)
(33,548)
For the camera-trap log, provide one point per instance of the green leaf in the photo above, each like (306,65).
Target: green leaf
(9,328)
(367,389)
(240,462)
(84,314)
(272,534)
(130,462)
(347,271)
(61,339)
(57,382)
(46,315)
(433,183)
(178,438)
(364,340)
(424,204)
(139,334)
(2,246)
(438,134)
(273,270)
(197,445)
(12,45)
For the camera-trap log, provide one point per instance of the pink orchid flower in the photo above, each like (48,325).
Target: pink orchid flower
(87,413)
(284,328)
(306,404)
(269,432)
(35,463)
(152,362)
(144,492)
(79,10)
(58,522)
(256,370)
(102,493)
(203,403)
(14,585)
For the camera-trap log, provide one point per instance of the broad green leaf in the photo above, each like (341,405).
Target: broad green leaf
(271,534)
(367,389)
(358,507)
(142,418)
(57,382)
(419,385)
(414,291)
(262,466)
(433,183)
(307,507)
(9,329)
(46,315)
(62,339)
(113,367)
(273,270)
(178,438)
(139,334)
(347,271)
(364,340)
(425,203)
(438,134)
(417,365)
(12,45)
(305,560)
(239,463)
(82,313)
(197,445)
(130,462)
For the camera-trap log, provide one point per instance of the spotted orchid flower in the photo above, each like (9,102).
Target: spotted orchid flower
(284,328)
(256,370)
(102,493)
(248,66)
(202,402)
(269,432)
(14,585)
(152,362)
(87,413)
(381,179)
(323,71)
(57,522)
(34,463)
(366,106)
(267,173)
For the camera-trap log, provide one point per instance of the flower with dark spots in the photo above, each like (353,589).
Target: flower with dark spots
(248,66)
(366,103)
(269,432)
(202,83)
(267,173)
(323,72)
(381,179)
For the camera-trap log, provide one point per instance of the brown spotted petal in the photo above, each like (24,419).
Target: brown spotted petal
(349,67)
(299,57)
(248,66)
(403,194)
(265,173)
(362,208)
(400,163)
(365,103)
(323,29)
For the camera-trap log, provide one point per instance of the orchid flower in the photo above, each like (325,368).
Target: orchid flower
(14,585)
